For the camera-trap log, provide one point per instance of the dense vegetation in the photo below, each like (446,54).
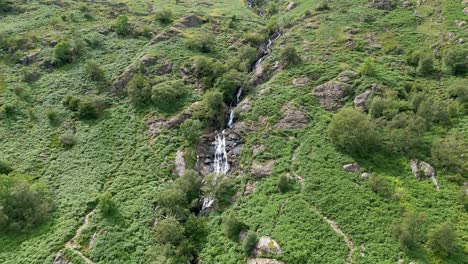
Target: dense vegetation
(98,99)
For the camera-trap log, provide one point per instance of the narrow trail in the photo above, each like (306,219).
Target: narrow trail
(73,245)
(332,223)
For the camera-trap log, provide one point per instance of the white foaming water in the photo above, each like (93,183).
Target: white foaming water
(221,164)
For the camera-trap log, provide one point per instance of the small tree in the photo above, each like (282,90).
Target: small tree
(214,101)
(169,231)
(94,71)
(62,53)
(202,42)
(367,68)
(164,16)
(67,140)
(121,26)
(425,65)
(191,130)
(87,109)
(381,186)
(443,240)
(190,184)
(456,59)
(106,204)
(283,183)
(232,227)
(5,168)
(249,242)
(409,230)
(290,56)
(139,90)
(166,94)
(450,152)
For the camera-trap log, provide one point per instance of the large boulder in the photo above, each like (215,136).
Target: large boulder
(60,259)
(383,4)
(361,101)
(266,246)
(352,167)
(180,163)
(331,94)
(347,76)
(292,118)
(423,170)
(262,170)
(291,6)
(263,261)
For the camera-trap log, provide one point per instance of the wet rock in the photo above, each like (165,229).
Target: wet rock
(301,81)
(347,76)
(263,261)
(180,163)
(262,170)
(266,246)
(361,101)
(352,167)
(365,175)
(250,188)
(292,118)
(29,58)
(291,6)
(383,4)
(60,258)
(331,94)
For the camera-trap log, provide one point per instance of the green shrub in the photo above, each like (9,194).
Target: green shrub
(106,204)
(425,66)
(459,90)
(229,83)
(405,132)
(232,227)
(352,131)
(94,71)
(254,39)
(5,7)
(443,240)
(53,117)
(322,6)
(367,68)
(409,230)
(62,53)
(173,201)
(381,186)
(201,42)
(413,58)
(5,168)
(190,184)
(207,70)
(247,56)
(283,184)
(450,153)
(249,242)
(290,56)
(456,59)
(23,203)
(87,109)
(121,26)
(434,111)
(164,16)
(67,140)
(169,231)
(191,130)
(213,100)
(166,95)
(139,90)
(387,106)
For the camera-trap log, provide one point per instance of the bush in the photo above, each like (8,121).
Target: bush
(5,168)
(434,111)
(139,90)
(381,186)
(456,60)
(405,132)
(254,39)
(409,230)
(247,56)
(53,117)
(23,203)
(62,53)
(290,56)
(425,66)
(367,68)
(121,26)
(67,140)
(87,109)
(283,184)
(106,204)
(443,240)
(229,83)
(169,231)
(214,102)
(164,16)
(202,42)
(387,106)
(173,202)
(322,6)
(191,130)
(449,153)
(190,184)
(352,131)
(459,90)
(232,227)
(94,71)
(249,242)
(166,95)
(413,58)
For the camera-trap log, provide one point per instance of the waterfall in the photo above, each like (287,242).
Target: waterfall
(221,164)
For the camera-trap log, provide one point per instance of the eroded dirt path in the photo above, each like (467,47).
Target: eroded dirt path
(73,245)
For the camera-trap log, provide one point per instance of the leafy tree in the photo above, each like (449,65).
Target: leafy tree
(443,240)
(191,130)
(169,231)
(229,83)
(456,60)
(425,66)
(94,71)
(290,56)
(414,57)
(202,42)
(367,68)
(5,168)
(106,204)
(196,231)
(87,109)
(434,111)
(67,140)
(450,153)
(232,227)
(165,95)
(121,26)
(190,184)
(247,56)
(214,102)
(405,132)
(249,242)
(352,131)
(62,53)
(381,186)
(139,90)
(322,6)
(23,203)
(283,183)
(409,230)
(459,90)
(173,202)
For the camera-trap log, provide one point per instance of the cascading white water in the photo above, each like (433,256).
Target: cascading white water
(221,164)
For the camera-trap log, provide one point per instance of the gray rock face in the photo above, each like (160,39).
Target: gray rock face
(347,76)
(383,4)
(352,167)
(266,246)
(166,68)
(331,94)
(301,81)
(244,106)
(180,163)
(292,118)
(263,261)
(360,101)
(189,22)
(165,35)
(291,6)
(29,58)
(422,170)
(262,170)
(250,188)
(60,258)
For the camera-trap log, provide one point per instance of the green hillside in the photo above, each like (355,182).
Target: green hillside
(232,131)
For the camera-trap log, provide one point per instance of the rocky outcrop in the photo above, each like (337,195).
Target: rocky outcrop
(301,81)
(352,167)
(244,106)
(291,6)
(266,246)
(292,118)
(60,259)
(165,35)
(157,124)
(262,170)
(347,76)
(142,65)
(180,163)
(250,188)
(331,94)
(190,22)
(383,4)
(361,101)
(263,261)
(422,170)
(29,58)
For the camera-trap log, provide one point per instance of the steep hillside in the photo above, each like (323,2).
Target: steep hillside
(230,131)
